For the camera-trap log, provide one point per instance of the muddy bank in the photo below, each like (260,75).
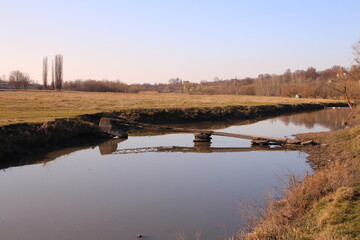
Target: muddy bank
(24,139)
(178,115)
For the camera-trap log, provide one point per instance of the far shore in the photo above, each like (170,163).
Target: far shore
(35,106)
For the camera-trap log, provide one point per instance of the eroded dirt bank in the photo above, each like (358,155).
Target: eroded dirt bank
(23,139)
(180,115)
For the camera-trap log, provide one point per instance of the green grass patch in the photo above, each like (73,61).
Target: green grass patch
(336,215)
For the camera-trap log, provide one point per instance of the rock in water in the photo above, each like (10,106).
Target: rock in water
(112,127)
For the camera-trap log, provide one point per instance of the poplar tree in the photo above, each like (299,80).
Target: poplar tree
(52,75)
(58,71)
(45,72)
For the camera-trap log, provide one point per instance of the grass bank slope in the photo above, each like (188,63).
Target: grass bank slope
(325,205)
(40,106)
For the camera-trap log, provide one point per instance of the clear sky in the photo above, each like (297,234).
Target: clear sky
(138,41)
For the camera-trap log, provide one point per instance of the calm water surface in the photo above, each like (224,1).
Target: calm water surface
(123,188)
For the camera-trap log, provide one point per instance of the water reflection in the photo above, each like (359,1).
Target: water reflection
(91,193)
(45,157)
(201,125)
(110,146)
(323,120)
(85,195)
(332,119)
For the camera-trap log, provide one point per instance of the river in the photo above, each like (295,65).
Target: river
(145,185)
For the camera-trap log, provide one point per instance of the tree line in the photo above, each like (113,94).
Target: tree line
(310,83)
(329,83)
(334,82)
(22,80)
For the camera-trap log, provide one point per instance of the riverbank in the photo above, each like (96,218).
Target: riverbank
(26,138)
(325,205)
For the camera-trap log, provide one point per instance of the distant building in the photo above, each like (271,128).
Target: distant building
(9,86)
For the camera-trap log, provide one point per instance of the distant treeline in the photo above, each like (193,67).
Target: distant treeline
(307,83)
(329,83)
(96,86)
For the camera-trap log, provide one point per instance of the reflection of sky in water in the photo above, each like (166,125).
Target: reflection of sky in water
(283,126)
(273,127)
(85,195)
(184,140)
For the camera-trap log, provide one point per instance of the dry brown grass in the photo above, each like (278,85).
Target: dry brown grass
(39,106)
(291,217)
(325,205)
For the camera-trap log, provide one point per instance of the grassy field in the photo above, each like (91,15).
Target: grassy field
(39,106)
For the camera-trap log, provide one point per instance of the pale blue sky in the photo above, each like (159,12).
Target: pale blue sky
(140,41)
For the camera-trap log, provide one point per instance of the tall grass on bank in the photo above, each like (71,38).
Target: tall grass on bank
(323,206)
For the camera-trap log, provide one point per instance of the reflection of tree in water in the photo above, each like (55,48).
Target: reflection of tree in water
(214,125)
(45,157)
(332,119)
(196,125)
(329,118)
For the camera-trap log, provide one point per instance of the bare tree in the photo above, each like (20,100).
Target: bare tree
(25,81)
(45,72)
(3,78)
(356,50)
(347,83)
(19,79)
(15,79)
(341,84)
(356,67)
(187,86)
(52,76)
(175,85)
(58,71)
